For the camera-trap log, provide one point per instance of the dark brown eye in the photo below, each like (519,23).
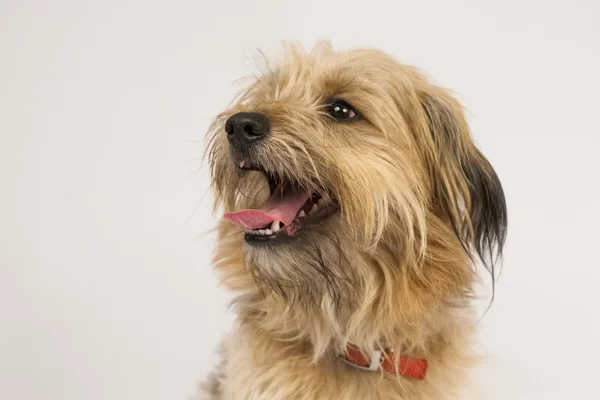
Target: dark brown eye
(341,111)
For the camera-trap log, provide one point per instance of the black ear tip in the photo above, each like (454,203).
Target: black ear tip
(488,212)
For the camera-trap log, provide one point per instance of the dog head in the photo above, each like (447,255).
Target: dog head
(342,172)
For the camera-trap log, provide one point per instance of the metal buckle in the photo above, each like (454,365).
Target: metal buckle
(376,360)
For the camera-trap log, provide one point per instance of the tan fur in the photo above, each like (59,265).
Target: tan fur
(398,253)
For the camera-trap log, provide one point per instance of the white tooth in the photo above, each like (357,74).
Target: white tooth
(261,231)
(313,209)
(301,214)
(275,226)
(325,198)
(242,164)
(248,230)
(268,232)
(321,202)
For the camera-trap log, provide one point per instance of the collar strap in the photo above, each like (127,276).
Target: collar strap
(385,359)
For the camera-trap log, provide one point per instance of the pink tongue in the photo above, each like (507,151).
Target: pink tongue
(282,206)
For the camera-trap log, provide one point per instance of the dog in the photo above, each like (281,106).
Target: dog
(357,207)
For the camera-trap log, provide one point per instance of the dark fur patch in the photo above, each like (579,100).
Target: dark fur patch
(488,211)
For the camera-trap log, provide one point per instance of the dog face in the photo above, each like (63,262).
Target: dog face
(338,169)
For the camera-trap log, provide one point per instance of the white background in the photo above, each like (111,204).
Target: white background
(106,289)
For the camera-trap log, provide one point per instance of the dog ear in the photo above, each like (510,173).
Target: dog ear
(466,189)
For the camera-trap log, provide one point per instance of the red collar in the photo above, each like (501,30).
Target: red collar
(385,359)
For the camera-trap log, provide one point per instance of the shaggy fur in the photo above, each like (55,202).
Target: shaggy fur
(418,205)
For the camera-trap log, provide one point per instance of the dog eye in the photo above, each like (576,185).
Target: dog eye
(341,111)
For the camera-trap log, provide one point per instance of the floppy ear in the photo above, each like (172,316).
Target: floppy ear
(466,189)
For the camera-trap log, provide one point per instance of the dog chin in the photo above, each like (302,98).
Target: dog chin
(315,262)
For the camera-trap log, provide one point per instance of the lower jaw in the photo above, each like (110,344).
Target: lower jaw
(289,233)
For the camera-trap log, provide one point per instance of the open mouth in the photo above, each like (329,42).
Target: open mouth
(290,207)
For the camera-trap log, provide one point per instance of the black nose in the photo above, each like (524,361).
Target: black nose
(244,128)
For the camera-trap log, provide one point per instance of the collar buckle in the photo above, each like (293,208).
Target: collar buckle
(359,360)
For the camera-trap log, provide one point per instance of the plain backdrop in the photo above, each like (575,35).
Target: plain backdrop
(106,288)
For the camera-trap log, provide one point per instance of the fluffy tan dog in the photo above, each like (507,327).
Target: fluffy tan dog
(356,205)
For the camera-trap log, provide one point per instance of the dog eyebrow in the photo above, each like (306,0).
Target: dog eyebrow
(342,86)
(337,81)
